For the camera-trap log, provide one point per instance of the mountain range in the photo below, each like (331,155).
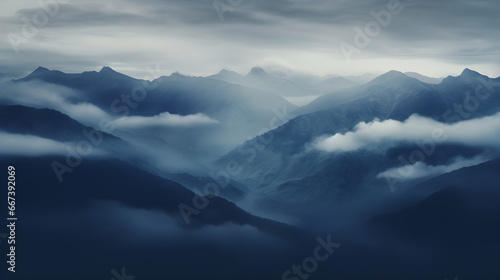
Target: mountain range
(288,168)
(283,86)
(401,170)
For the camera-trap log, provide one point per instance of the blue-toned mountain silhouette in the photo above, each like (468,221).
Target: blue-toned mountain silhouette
(135,200)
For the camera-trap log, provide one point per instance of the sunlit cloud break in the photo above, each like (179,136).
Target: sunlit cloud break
(381,135)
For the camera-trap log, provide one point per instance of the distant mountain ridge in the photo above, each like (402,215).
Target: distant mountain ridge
(241,111)
(423,78)
(282,85)
(286,169)
(284,196)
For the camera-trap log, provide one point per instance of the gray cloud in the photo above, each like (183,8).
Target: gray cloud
(33,146)
(29,145)
(157,226)
(380,135)
(171,133)
(432,37)
(163,120)
(39,94)
(420,170)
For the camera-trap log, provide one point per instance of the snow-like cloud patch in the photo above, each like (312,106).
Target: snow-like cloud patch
(381,135)
(29,145)
(38,94)
(420,170)
(164,120)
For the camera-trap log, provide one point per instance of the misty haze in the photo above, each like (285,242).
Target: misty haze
(250,140)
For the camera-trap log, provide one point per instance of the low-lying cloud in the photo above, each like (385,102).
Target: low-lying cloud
(421,170)
(146,32)
(381,135)
(33,146)
(38,94)
(164,119)
(29,145)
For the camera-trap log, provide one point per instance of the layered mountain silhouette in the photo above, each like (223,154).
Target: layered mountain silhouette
(121,206)
(118,215)
(288,169)
(448,223)
(423,78)
(235,110)
(176,94)
(53,125)
(49,124)
(446,211)
(284,86)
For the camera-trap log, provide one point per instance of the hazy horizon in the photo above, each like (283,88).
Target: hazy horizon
(352,139)
(153,73)
(435,39)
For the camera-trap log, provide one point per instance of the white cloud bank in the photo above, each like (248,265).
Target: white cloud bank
(38,94)
(420,170)
(164,119)
(380,135)
(29,145)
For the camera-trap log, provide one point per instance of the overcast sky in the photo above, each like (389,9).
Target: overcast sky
(435,38)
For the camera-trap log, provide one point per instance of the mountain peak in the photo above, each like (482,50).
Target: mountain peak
(176,74)
(467,76)
(39,72)
(107,69)
(224,71)
(41,69)
(468,73)
(107,73)
(257,71)
(394,74)
(228,76)
(391,76)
